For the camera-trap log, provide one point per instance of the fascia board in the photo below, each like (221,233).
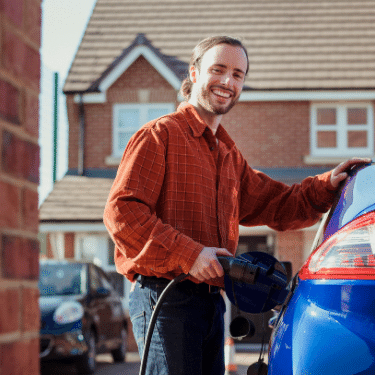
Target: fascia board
(72,227)
(151,57)
(308,95)
(99,97)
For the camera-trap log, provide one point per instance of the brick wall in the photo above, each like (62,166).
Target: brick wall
(20,22)
(271,134)
(98,117)
(289,246)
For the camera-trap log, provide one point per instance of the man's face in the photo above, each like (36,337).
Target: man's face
(217,85)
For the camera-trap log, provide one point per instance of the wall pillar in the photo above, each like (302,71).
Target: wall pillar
(20,26)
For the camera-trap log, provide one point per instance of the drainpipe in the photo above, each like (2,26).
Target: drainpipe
(81,140)
(55,128)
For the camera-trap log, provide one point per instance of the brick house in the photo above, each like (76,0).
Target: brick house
(20,32)
(307,103)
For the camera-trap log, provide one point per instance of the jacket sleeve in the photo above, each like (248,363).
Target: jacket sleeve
(130,212)
(265,201)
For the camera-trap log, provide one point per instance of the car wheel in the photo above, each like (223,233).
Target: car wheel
(87,363)
(119,354)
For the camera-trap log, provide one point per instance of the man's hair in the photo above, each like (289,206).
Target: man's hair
(198,52)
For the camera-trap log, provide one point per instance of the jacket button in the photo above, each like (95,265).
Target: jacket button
(212,148)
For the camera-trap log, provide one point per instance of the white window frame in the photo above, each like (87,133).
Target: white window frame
(342,128)
(143,108)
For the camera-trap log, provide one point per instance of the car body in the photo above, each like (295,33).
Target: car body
(326,326)
(81,314)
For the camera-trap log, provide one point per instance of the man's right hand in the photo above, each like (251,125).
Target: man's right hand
(207,266)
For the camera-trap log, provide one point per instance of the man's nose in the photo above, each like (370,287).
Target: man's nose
(225,80)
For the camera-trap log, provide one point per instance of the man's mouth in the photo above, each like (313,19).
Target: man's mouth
(222,93)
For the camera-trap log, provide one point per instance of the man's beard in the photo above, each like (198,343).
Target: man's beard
(207,104)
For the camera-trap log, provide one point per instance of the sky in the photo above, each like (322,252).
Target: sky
(63,25)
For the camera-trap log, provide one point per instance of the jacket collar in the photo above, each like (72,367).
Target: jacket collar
(198,126)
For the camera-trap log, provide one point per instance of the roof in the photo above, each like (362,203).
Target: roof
(76,198)
(82,199)
(293,44)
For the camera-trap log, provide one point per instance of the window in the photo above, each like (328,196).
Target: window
(342,130)
(128,118)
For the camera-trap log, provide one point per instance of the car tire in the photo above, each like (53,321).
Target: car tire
(87,362)
(119,354)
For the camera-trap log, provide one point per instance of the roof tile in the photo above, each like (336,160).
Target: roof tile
(292,44)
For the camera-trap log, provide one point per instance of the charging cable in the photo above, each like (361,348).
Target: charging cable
(154,316)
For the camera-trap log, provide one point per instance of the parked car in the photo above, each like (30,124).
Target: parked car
(326,326)
(81,314)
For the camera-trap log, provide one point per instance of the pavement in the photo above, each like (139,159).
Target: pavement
(131,366)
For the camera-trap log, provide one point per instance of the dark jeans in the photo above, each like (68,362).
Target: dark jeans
(189,333)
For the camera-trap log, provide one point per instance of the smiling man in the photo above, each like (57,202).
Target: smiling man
(180,193)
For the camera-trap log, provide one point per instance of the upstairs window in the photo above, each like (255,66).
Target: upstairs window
(128,118)
(342,130)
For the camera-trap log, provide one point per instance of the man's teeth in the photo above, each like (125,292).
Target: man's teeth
(221,93)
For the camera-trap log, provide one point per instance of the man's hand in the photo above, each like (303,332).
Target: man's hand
(207,266)
(340,173)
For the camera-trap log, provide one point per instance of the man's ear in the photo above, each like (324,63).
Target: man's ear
(193,74)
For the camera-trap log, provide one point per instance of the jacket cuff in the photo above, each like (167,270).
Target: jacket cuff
(186,252)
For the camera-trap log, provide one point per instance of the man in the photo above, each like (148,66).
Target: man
(181,191)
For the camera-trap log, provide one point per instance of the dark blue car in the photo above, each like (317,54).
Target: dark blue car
(327,323)
(81,314)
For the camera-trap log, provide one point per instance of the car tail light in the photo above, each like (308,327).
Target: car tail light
(348,254)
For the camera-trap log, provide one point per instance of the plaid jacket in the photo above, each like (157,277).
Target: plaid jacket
(180,188)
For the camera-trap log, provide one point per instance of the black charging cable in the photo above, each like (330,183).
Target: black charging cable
(154,316)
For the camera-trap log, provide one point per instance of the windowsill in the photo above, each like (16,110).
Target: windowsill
(112,161)
(323,160)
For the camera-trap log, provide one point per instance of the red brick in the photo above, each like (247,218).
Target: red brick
(10,205)
(20,258)
(9,311)
(20,358)
(69,245)
(49,246)
(290,246)
(31,68)
(14,53)
(20,158)
(32,160)
(30,210)
(12,158)
(271,134)
(11,248)
(32,115)
(13,10)
(32,250)
(9,102)
(33,21)
(20,59)
(30,310)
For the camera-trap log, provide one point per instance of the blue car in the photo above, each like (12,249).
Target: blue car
(326,326)
(81,315)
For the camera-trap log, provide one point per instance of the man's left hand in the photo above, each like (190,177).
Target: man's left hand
(340,173)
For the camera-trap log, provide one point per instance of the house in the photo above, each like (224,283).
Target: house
(307,104)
